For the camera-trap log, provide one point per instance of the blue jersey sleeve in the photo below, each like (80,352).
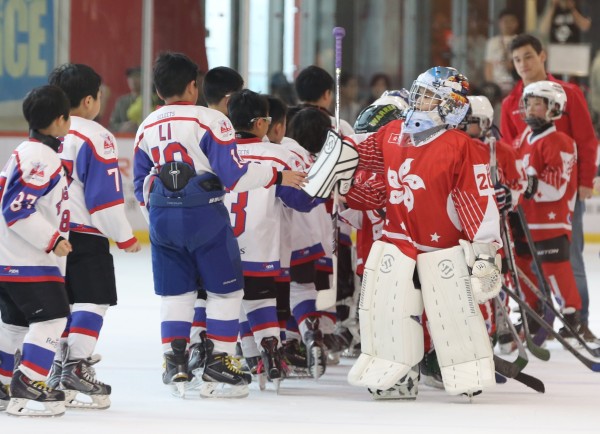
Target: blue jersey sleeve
(142,165)
(297,199)
(223,159)
(101,178)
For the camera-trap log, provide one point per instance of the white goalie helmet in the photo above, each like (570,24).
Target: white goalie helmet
(437,97)
(481,111)
(552,92)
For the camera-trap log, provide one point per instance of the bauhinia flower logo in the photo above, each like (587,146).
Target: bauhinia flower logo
(403,184)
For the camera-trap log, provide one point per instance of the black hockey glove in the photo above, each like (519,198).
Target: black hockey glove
(532,186)
(503,197)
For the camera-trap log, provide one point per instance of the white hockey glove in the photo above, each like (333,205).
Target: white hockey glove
(484,264)
(336,162)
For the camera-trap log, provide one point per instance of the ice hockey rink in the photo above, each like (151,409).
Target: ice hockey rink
(132,364)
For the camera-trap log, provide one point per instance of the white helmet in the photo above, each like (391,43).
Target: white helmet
(446,90)
(481,111)
(553,94)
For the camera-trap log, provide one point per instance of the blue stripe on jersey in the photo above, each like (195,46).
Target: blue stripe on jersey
(171,330)
(225,331)
(325,261)
(345,239)
(37,358)
(261,268)
(7,363)
(24,196)
(307,253)
(102,180)
(224,160)
(142,165)
(29,273)
(297,199)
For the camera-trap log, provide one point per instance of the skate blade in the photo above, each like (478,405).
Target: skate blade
(262,381)
(316,369)
(83,401)
(211,389)
(389,395)
(29,408)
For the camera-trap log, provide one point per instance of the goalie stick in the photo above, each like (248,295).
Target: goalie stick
(591,364)
(328,297)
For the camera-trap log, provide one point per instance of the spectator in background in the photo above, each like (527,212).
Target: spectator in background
(284,90)
(499,67)
(349,105)
(595,92)
(120,122)
(379,83)
(562,22)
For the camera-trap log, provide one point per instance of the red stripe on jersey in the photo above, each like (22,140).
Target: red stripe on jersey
(107,205)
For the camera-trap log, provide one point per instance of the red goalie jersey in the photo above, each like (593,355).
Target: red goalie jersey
(436,193)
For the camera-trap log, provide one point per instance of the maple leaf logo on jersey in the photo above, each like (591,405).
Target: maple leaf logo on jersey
(109,145)
(37,171)
(403,184)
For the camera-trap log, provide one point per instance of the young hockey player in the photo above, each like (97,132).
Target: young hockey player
(90,155)
(218,86)
(256,215)
(34,227)
(185,157)
(442,224)
(529,58)
(550,162)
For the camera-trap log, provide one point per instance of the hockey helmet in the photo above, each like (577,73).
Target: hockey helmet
(553,94)
(481,112)
(437,97)
(390,106)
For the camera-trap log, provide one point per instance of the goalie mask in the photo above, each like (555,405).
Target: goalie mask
(389,107)
(554,96)
(437,97)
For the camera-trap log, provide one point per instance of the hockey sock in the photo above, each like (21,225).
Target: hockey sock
(262,317)
(302,300)
(249,348)
(85,325)
(11,339)
(39,347)
(199,322)
(176,314)
(222,320)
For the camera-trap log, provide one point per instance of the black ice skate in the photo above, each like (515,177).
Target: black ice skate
(406,388)
(336,343)
(271,366)
(82,389)
(196,362)
(53,380)
(176,366)
(572,318)
(431,374)
(4,396)
(27,396)
(222,376)
(315,348)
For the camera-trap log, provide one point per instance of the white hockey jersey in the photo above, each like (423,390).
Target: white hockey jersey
(256,215)
(35,212)
(90,155)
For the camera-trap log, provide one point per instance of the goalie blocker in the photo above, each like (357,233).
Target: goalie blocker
(336,162)
(390,307)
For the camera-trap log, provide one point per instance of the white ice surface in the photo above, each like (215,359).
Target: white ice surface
(132,364)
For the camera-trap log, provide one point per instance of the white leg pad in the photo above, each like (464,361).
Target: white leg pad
(456,325)
(389,311)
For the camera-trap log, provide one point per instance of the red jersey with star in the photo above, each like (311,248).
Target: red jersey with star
(552,158)
(436,193)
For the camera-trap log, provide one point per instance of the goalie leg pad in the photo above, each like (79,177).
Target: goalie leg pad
(456,325)
(336,161)
(389,311)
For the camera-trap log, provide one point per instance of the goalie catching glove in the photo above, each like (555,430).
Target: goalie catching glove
(336,162)
(484,264)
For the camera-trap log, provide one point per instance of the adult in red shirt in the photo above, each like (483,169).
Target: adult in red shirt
(528,57)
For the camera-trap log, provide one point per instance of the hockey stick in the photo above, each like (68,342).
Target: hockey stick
(328,297)
(593,351)
(507,370)
(532,345)
(522,359)
(591,364)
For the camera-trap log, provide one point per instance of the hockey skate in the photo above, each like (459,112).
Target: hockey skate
(431,375)
(271,366)
(335,344)
(315,348)
(406,388)
(82,389)
(196,362)
(4,396)
(53,380)
(587,335)
(222,376)
(294,354)
(176,367)
(34,398)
